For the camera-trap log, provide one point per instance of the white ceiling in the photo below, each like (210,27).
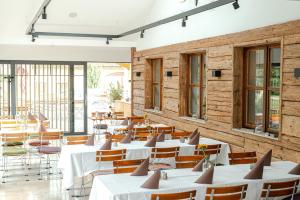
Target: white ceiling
(93,16)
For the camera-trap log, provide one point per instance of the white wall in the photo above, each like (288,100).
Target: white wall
(65,53)
(223,20)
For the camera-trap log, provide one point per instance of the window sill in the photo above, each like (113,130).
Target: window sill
(192,119)
(251,132)
(154,111)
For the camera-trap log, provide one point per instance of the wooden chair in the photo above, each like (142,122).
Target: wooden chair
(136,119)
(118,114)
(190,195)
(167,129)
(187,161)
(141,136)
(71,140)
(126,166)
(13,151)
(226,193)
(271,190)
(210,150)
(56,140)
(242,158)
(159,153)
(115,137)
(177,135)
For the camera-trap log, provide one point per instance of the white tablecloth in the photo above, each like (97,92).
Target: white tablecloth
(80,160)
(126,187)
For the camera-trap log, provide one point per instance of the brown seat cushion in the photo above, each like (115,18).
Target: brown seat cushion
(37,143)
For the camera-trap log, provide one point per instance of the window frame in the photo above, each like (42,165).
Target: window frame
(266,88)
(200,85)
(160,83)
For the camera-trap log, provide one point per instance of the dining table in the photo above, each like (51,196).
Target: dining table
(126,187)
(80,160)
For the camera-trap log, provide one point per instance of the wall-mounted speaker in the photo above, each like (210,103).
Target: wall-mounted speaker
(297,72)
(138,74)
(216,73)
(169,73)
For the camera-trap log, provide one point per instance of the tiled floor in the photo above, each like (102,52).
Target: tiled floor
(49,188)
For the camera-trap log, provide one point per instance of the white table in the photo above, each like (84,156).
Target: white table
(111,187)
(80,160)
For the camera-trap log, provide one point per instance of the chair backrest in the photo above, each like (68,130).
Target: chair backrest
(55,135)
(126,166)
(110,155)
(179,134)
(237,192)
(115,137)
(187,161)
(77,139)
(168,152)
(213,149)
(135,117)
(119,114)
(190,195)
(242,158)
(141,136)
(141,129)
(168,129)
(279,189)
(14,137)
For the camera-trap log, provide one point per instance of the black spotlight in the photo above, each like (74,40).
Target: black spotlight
(183,24)
(32,38)
(236,5)
(196,2)
(44,15)
(142,34)
(107,41)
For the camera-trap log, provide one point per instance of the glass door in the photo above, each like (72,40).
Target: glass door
(6,79)
(55,89)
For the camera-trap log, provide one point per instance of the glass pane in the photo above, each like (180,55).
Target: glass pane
(274,110)
(194,102)
(156,97)
(195,69)
(203,102)
(79,98)
(255,108)
(275,67)
(256,67)
(156,70)
(204,70)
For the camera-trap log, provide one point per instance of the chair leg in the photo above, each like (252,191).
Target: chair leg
(40,169)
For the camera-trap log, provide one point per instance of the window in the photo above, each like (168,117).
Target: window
(156,71)
(196,92)
(262,88)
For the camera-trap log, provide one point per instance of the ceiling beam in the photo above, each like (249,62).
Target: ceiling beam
(180,16)
(37,16)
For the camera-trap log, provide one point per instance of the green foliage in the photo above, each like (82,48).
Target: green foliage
(115,92)
(93,76)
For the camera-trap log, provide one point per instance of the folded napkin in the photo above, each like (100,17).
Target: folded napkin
(124,122)
(42,117)
(151,142)
(106,145)
(126,139)
(91,140)
(153,181)
(130,126)
(206,177)
(142,170)
(194,140)
(31,117)
(199,166)
(161,137)
(295,170)
(257,171)
(267,158)
(193,133)
(42,129)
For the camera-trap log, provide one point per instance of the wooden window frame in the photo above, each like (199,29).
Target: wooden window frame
(200,84)
(266,88)
(160,83)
